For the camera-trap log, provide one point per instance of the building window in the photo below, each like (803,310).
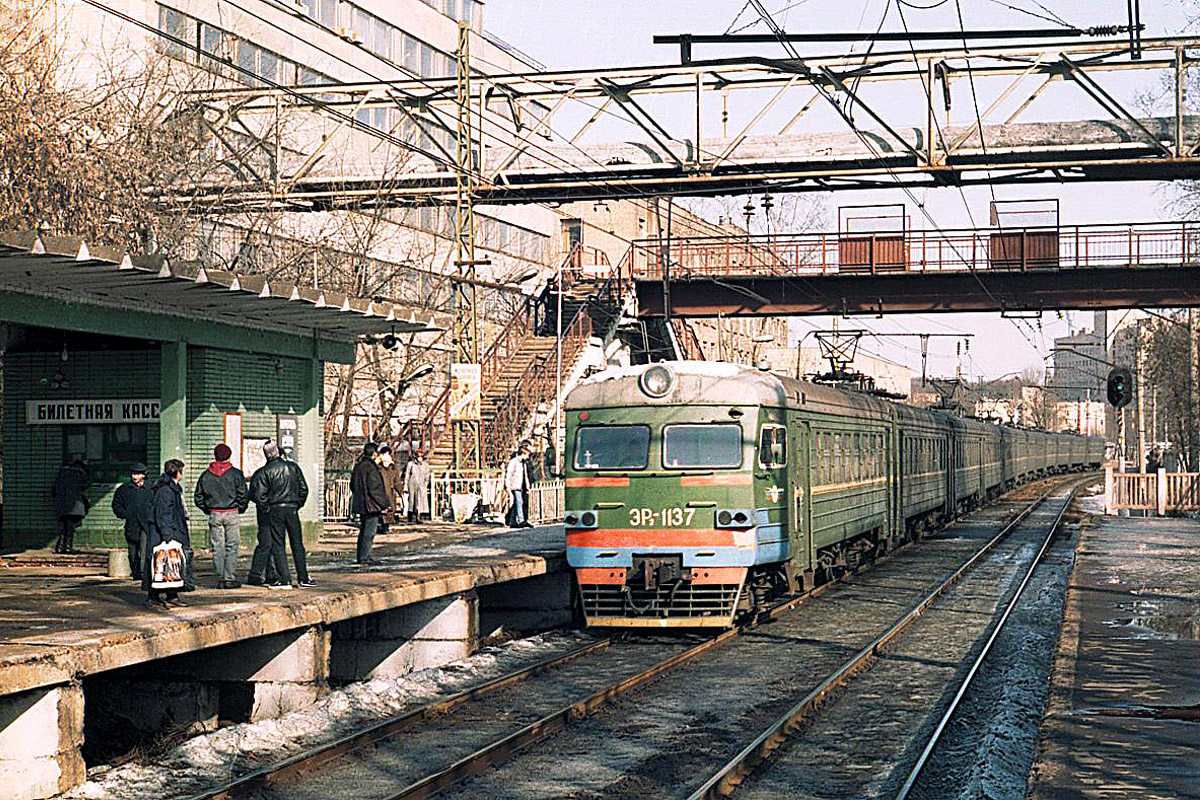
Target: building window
(177,25)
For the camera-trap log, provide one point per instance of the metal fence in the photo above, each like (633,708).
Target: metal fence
(1160,492)
(545,497)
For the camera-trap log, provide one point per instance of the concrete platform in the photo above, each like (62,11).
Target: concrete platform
(1123,718)
(83,653)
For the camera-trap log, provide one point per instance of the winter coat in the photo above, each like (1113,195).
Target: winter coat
(279,482)
(368,492)
(515,477)
(69,500)
(222,487)
(416,486)
(168,519)
(132,504)
(393,483)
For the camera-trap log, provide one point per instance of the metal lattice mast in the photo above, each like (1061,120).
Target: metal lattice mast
(467,445)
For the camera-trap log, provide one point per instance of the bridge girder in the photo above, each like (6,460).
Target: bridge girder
(534,150)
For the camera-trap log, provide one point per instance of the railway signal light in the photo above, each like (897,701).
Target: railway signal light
(1120,387)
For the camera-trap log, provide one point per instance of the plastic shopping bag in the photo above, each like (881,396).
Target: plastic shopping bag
(166,564)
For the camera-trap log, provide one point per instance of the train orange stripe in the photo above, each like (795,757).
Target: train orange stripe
(573,483)
(723,575)
(736,479)
(603,575)
(650,537)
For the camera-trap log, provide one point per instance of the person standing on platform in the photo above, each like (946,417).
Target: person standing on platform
(516,481)
(393,485)
(369,500)
(416,487)
(279,486)
(263,571)
(167,523)
(70,503)
(131,503)
(221,493)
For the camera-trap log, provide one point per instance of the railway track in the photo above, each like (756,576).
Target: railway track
(758,754)
(369,759)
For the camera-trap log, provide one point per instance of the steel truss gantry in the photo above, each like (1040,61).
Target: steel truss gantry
(538,130)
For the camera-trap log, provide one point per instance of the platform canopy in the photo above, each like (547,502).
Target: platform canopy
(68,270)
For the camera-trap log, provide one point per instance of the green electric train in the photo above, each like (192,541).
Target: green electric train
(697,491)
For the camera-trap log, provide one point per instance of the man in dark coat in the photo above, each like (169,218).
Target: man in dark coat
(279,487)
(369,500)
(167,522)
(131,503)
(70,503)
(221,493)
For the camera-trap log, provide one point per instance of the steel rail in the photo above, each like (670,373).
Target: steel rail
(502,749)
(915,774)
(389,727)
(729,776)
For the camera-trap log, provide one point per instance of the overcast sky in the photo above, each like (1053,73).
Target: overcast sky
(593,33)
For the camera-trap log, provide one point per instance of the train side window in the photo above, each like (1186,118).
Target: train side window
(772,446)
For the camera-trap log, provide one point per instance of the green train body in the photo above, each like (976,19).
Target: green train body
(698,490)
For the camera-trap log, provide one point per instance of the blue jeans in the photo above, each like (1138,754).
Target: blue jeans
(520,512)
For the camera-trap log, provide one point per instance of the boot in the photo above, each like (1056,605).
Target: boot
(70,545)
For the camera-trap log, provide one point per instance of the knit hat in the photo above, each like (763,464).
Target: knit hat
(270,449)
(222,452)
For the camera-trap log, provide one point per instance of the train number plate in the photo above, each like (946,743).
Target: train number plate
(661,517)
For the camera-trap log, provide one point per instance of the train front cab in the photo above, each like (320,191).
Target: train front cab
(672,504)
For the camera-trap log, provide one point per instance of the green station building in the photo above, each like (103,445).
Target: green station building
(118,360)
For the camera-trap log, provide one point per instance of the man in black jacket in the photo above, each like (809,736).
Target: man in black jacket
(278,486)
(221,494)
(70,502)
(368,499)
(132,504)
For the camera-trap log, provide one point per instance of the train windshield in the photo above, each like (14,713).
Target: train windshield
(612,447)
(702,446)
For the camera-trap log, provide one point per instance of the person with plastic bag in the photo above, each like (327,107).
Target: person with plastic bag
(167,525)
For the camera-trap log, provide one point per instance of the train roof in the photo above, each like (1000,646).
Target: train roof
(723,383)
(719,383)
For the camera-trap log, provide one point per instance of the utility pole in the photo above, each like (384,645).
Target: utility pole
(1140,383)
(468,447)
(1193,374)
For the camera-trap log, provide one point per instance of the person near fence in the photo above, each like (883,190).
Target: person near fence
(166,522)
(70,502)
(221,493)
(279,485)
(369,500)
(516,481)
(131,504)
(416,487)
(393,485)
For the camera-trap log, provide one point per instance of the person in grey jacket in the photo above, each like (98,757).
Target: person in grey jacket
(221,493)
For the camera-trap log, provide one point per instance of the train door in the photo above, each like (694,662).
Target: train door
(800,490)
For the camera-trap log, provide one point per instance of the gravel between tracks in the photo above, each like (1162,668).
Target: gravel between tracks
(662,742)
(864,744)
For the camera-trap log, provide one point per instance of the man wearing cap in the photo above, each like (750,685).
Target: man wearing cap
(221,493)
(279,487)
(131,503)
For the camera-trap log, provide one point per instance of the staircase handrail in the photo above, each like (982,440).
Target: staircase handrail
(689,343)
(536,385)
(437,420)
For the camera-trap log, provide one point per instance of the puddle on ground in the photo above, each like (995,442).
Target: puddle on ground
(1157,619)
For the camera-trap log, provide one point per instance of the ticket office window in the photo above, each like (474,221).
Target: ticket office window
(108,450)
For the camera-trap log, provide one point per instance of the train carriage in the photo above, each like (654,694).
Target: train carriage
(698,490)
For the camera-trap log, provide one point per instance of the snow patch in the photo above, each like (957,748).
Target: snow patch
(222,755)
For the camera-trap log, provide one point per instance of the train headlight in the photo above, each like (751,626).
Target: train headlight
(580,519)
(734,518)
(657,381)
